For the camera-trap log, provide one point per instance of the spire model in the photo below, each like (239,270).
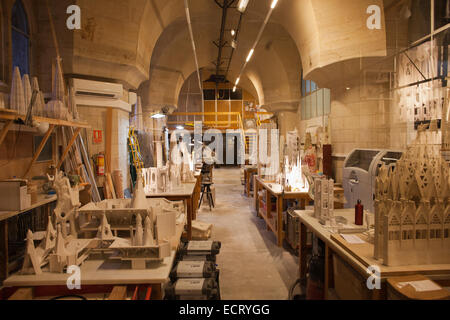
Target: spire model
(17,98)
(139,232)
(56,107)
(27,91)
(148,233)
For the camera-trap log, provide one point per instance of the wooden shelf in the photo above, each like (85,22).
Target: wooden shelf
(41,201)
(11,115)
(268,222)
(277,197)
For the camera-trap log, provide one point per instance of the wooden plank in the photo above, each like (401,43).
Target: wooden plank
(69,146)
(39,150)
(3,250)
(5,131)
(108,139)
(56,122)
(118,293)
(110,185)
(279,205)
(22,294)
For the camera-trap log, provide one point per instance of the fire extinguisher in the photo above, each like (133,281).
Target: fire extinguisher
(100,164)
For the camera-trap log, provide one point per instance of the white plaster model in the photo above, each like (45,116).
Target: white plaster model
(104,230)
(39,106)
(156,180)
(58,260)
(412,216)
(26,91)
(139,198)
(17,96)
(148,233)
(35,257)
(49,242)
(294,179)
(56,108)
(324,200)
(67,203)
(68,252)
(139,236)
(32,259)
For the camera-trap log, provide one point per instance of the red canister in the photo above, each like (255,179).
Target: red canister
(359,213)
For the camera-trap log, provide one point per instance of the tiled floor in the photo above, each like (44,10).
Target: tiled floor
(251,264)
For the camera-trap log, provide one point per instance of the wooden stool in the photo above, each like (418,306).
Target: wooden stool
(408,292)
(206,187)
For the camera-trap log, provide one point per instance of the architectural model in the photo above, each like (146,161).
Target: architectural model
(294,180)
(324,200)
(412,209)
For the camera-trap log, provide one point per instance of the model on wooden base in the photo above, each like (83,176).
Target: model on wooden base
(412,208)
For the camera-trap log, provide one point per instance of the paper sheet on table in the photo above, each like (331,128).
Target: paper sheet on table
(351,238)
(421,286)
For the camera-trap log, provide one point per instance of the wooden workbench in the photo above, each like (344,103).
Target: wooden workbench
(97,274)
(248,176)
(356,258)
(184,192)
(42,202)
(274,222)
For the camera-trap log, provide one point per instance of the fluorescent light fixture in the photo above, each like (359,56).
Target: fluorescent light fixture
(234,89)
(237,81)
(242,5)
(274,4)
(250,54)
(180,127)
(233,32)
(158,116)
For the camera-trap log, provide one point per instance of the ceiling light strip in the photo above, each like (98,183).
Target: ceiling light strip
(260,33)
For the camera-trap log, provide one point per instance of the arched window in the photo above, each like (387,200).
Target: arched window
(20,35)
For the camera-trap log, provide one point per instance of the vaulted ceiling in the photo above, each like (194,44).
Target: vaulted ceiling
(146,44)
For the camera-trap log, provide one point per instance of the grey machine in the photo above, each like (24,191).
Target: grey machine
(360,171)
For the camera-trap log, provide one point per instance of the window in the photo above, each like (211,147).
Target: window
(222,94)
(46,153)
(20,35)
(316,104)
(442,13)
(308,87)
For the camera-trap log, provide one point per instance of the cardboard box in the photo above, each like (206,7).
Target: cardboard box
(14,195)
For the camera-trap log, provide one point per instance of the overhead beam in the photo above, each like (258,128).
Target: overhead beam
(222,34)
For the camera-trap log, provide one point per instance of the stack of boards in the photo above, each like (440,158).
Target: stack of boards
(195,276)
